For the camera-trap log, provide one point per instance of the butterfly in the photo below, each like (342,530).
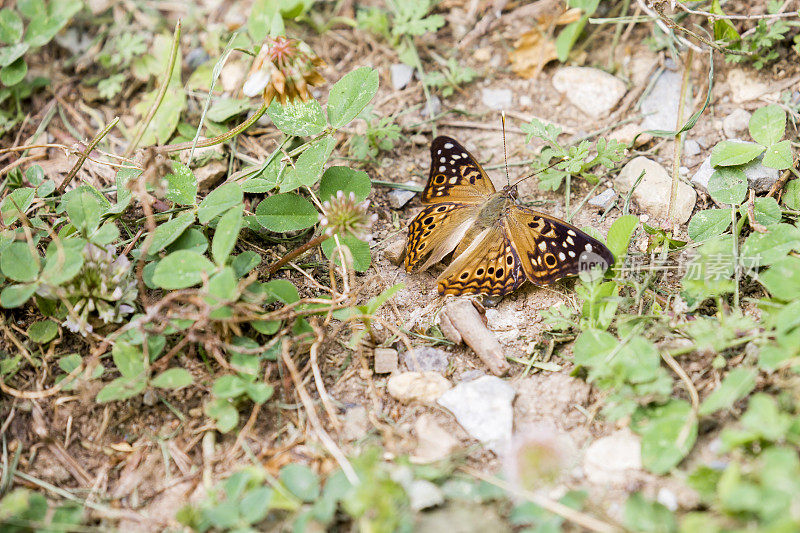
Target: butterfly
(497,242)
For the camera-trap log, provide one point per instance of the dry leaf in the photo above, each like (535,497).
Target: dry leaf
(532,51)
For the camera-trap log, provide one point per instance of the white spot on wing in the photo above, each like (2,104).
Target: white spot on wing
(570,241)
(570,232)
(542,246)
(571,253)
(464,155)
(448,145)
(456,156)
(442,168)
(438,151)
(453,180)
(442,159)
(588,247)
(561,256)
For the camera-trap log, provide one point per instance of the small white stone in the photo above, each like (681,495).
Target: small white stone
(483,408)
(736,123)
(611,460)
(653,192)
(401,75)
(604,200)
(691,148)
(425,387)
(667,498)
(589,89)
(497,98)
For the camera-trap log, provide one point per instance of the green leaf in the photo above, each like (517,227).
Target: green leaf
(222,286)
(286,212)
(181,185)
(181,269)
(225,415)
(229,386)
(724,30)
(728,186)
(62,265)
(778,155)
(16,295)
(121,389)
(668,433)
(767,211)
(18,263)
(169,232)
(344,179)
(192,239)
(14,73)
(731,153)
(768,124)
(782,279)
(218,201)
(282,290)
(791,195)
(245,262)
(42,331)
(225,108)
(9,54)
(168,115)
(264,16)
(301,481)
(85,207)
(124,194)
(15,203)
(737,384)
(226,234)
(308,167)
(767,248)
(301,119)
(259,392)
(709,223)
(567,37)
(10,26)
(350,95)
(645,516)
(765,418)
(359,249)
(174,378)
(619,235)
(128,359)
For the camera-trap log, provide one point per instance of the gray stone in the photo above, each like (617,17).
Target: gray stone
(424,494)
(691,148)
(461,517)
(604,200)
(400,197)
(385,360)
(589,89)
(744,87)
(653,192)
(759,177)
(395,251)
(424,387)
(401,75)
(433,441)
(356,423)
(497,98)
(432,107)
(736,123)
(426,358)
(667,498)
(660,106)
(614,459)
(483,408)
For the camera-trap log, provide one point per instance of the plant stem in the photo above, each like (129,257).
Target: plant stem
(319,239)
(176,39)
(84,154)
(676,153)
(219,139)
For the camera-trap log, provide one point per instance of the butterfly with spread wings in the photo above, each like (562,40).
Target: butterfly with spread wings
(498,242)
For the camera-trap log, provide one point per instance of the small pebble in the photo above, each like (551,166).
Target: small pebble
(604,200)
(426,358)
(401,75)
(400,197)
(497,98)
(425,387)
(385,360)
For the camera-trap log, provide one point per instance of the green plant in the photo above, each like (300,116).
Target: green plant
(381,134)
(23,511)
(451,77)
(760,43)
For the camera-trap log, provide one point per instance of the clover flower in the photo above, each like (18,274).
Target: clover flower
(342,214)
(283,68)
(104,287)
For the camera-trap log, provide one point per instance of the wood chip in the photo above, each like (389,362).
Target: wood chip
(468,322)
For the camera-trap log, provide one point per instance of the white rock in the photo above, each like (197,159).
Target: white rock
(385,360)
(423,494)
(589,89)
(667,498)
(401,75)
(691,148)
(744,87)
(356,423)
(483,408)
(497,98)
(425,358)
(660,106)
(433,441)
(703,174)
(400,197)
(425,387)
(653,192)
(432,107)
(628,132)
(604,200)
(736,123)
(613,459)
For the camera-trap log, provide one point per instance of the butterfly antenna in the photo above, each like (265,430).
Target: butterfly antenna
(532,174)
(505,152)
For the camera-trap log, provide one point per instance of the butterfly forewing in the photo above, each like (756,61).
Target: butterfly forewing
(490,265)
(435,231)
(551,249)
(455,175)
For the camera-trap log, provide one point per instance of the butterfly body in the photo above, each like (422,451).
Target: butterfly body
(498,242)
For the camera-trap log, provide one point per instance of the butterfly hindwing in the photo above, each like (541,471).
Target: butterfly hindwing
(551,249)
(490,265)
(455,175)
(436,231)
